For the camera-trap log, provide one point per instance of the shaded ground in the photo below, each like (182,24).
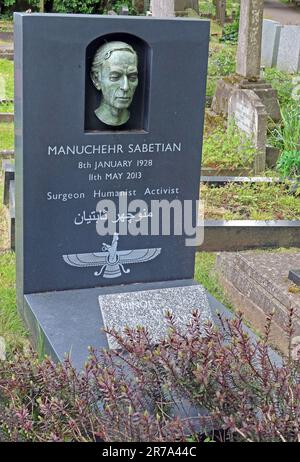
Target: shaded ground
(285,14)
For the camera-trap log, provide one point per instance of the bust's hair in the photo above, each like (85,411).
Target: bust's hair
(105,51)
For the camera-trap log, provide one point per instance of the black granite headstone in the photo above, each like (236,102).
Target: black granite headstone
(67,160)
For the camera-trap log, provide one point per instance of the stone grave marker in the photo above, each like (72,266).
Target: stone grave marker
(289,49)
(270,42)
(250,116)
(248,64)
(169,8)
(250,36)
(163,8)
(113,130)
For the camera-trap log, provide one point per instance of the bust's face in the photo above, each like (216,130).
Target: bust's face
(118,79)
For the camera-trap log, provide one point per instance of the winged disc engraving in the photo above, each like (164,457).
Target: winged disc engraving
(111,260)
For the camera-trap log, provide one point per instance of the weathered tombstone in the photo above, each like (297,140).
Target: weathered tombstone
(248,64)
(250,116)
(289,49)
(163,8)
(104,141)
(124,10)
(169,8)
(270,42)
(250,35)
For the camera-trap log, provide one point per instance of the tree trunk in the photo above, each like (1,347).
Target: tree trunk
(221,11)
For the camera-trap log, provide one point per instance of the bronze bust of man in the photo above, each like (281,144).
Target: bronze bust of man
(115,73)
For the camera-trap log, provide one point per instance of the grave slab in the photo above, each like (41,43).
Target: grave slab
(71,321)
(148,308)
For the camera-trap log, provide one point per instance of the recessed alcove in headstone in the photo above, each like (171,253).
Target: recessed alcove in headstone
(140,106)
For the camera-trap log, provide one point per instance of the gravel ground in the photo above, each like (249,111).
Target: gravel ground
(285,14)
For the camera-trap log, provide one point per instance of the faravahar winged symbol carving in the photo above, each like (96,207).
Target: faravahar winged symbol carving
(111,260)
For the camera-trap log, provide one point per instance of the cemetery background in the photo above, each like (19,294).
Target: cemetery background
(222,155)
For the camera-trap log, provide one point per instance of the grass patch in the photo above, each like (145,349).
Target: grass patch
(7,107)
(6,136)
(11,326)
(284,83)
(206,275)
(7,72)
(221,62)
(222,148)
(6,25)
(5,43)
(250,202)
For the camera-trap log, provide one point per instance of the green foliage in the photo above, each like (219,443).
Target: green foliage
(258,201)
(7,107)
(206,275)
(287,134)
(229,149)
(11,327)
(90,6)
(74,6)
(8,3)
(207,7)
(222,62)
(7,72)
(289,164)
(6,136)
(231,31)
(211,86)
(13,4)
(283,83)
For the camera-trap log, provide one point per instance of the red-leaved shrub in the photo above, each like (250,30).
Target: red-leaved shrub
(153,393)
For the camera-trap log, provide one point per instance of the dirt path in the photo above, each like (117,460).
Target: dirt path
(285,14)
